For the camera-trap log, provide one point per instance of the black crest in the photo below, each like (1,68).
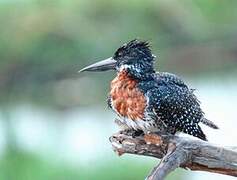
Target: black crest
(133,50)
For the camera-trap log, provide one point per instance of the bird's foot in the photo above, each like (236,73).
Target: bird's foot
(133,133)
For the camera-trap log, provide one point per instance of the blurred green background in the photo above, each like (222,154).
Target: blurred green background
(54,123)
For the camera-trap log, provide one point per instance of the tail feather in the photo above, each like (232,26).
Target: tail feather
(194,130)
(200,134)
(209,123)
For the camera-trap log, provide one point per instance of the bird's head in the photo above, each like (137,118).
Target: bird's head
(135,57)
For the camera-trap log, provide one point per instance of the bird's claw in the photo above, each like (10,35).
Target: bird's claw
(133,133)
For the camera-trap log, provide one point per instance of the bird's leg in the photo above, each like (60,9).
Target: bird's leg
(133,133)
(138,133)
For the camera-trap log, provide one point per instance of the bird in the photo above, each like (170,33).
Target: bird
(148,101)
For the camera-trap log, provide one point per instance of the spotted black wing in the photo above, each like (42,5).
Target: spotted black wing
(176,105)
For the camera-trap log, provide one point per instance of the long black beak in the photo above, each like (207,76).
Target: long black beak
(104,65)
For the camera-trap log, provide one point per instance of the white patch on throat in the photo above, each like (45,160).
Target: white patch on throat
(124,67)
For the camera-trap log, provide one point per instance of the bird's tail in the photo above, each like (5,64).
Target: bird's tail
(200,134)
(209,123)
(194,130)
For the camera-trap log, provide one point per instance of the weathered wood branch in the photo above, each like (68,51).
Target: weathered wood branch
(175,151)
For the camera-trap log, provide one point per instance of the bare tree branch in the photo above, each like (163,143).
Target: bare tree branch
(175,151)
